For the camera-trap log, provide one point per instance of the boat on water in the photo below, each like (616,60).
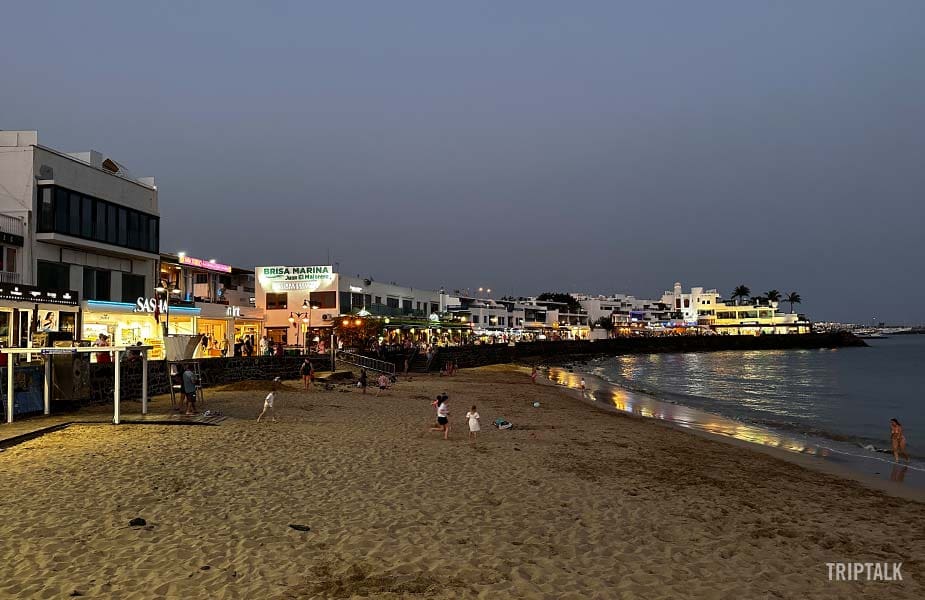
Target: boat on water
(895,330)
(869,334)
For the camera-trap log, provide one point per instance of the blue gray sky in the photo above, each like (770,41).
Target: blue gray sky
(522,146)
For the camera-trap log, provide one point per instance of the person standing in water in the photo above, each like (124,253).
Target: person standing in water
(898,440)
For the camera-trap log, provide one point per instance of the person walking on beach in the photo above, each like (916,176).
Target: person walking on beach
(898,440)
(584,387)
(268,406)
(363,380)
(534,374)
(307,371)
(473,418)
(189,388)
(443,416)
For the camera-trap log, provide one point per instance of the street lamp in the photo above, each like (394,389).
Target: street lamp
(306,318)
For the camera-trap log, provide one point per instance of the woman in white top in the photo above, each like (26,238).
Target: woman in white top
(473,417)
(443,416)
(268,406)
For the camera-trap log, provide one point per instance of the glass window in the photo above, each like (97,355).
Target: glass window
(133,241)
(99,231)
(96,284)
(280,300)
(9,264)
(143,231)
(391,302)
(202,278)
(153,245)
(86,217)
(46,210)
(406,306)
(112,230)
(378,299)
(123,226)
(133,287)
(61,204)
(323,299)
(55,276)
(74,214)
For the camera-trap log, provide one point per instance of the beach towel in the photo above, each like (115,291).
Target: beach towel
(502,424)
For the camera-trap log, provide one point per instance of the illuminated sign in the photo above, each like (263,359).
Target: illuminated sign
(233,311)
(150,305)
(282,279)
(199,263)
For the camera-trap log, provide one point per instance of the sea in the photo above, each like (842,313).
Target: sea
(832,403)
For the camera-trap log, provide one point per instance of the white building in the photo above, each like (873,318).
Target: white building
(623,310)
(88,225)
(696,308)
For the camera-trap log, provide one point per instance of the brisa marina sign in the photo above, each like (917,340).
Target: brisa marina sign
(280,279)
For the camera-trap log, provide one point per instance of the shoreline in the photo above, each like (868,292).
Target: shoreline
(871,471)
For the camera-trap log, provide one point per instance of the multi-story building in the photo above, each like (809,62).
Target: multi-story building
(623,311)
(89,228)
(756,318)
(696,308)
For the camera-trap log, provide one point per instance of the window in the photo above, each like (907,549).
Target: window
(202,278)
(97,284)
(9,261)
(55,276)
(133,287)
(323,299)
(73,214)
(391,302)
(46,210)
(687,303)
(726,315)
(434,307)
(277,301)
(79,215)
(378,299)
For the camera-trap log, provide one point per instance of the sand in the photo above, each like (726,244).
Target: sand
(572,503)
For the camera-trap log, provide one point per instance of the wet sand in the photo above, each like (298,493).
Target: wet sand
(572,503)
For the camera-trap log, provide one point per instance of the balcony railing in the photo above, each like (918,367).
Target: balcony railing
(12,225)
(7,277)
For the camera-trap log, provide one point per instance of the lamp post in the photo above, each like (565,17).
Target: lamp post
(306,318)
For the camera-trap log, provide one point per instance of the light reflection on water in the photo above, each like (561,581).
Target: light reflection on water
(683,416)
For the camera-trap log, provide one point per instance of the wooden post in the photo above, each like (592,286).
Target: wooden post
(9,387)
(144,381)
(117,393)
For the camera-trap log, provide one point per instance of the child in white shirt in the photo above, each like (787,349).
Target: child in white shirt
(268,405)
(473,417)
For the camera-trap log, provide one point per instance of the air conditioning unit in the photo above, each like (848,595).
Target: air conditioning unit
(326,317)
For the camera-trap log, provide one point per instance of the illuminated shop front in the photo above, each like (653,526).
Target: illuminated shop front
(127,324)
(299,303)
(26,311)
(226,324)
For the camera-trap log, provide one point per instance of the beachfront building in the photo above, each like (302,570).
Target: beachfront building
(75,226)
(223,297)
(549,320)
(299,303)
(625,314)
(757,318)
(697,308)
(488,320)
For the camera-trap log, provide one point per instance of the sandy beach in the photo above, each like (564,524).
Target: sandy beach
(571,503)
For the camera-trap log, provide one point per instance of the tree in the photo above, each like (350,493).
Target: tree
(573,305)
(772,296)
(741,292)
(793,298)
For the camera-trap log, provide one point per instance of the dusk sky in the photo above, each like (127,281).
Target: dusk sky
(523,146)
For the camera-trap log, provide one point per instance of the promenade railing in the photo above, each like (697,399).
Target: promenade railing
(365,362)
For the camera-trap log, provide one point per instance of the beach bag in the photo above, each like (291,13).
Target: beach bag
(502,424)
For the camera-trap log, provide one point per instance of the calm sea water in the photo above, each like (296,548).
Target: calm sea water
(840,400)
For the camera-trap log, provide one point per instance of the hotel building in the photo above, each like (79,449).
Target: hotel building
(89,230)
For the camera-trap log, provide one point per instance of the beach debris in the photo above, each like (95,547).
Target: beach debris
(137,522)
(205,567)
(75,593)
(502,424)
(298,527)
(536,405)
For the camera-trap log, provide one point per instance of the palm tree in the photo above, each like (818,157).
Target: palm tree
(793,298)
(772,296)
(741,291)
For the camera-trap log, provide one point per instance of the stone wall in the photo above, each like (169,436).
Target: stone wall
(492,354)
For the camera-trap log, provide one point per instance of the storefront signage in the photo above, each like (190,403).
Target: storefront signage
(199,263)
(30,293)
(280,279)
(233,311)
(150,305)
(11,239)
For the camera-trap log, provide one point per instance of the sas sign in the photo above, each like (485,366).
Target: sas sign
(150,305)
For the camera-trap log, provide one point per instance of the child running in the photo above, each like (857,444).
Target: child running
(268,406)
(383,384)
(443,416)
(473,417)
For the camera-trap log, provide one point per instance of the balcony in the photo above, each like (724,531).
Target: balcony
(12,225)
(7,277)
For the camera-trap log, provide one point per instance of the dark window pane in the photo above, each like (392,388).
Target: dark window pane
(99,232)
(103,285)
(143,232)
(123,227)
(133,287)
(89,284)
(112,233)
(323,299)
(61,203)
(132,229)
(74,214)
(46,210)
(55,276)
(152,235)
(86,217)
